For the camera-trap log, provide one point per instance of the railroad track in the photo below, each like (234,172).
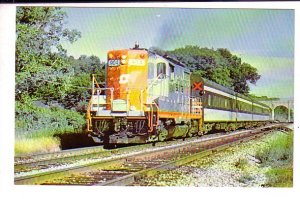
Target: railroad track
(41,161)
(28,163)
(124,169)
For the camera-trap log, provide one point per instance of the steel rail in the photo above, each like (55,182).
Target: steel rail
(39,178)
(43,159)
(131,178)
(23,158)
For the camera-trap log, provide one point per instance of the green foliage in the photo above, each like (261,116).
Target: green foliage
(35,121)
(262,98)
(221,76)
(279,150)
(80,90)
(47,81)
(216,65)
(280,177)
(85,64)
(277,155)
(39,54)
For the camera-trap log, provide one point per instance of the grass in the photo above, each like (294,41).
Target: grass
(36,145)
(280,177)
(242,163)
(37,126)
(278,154)
(279,149)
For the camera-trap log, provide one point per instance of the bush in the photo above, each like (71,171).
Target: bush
(278,156)
(33,121)
(278,150)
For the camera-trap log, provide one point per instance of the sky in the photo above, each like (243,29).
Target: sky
(263,38)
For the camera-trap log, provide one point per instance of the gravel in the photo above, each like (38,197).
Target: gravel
(234,167)
(125,152)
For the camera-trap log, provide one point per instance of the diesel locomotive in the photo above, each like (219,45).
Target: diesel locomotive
(149,98)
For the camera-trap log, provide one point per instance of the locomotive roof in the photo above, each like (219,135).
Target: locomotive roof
(171,60)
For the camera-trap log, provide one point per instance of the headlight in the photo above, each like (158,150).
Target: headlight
(132,108)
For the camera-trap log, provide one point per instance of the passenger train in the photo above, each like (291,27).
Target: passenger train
(150,98)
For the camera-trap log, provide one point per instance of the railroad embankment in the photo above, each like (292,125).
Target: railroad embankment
(267,162)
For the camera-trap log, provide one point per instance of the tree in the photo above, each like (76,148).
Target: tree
(80,92)
(42,67)
(218,65)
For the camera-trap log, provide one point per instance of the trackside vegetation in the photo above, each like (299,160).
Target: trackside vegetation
(53,88)
(278,155)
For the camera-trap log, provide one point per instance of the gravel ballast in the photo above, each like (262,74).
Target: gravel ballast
(233,167)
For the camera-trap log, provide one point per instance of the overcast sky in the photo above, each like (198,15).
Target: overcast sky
(262,38)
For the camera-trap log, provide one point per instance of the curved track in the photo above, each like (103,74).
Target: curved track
(123,169)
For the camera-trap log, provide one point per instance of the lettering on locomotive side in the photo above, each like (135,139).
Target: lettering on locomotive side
(136,62)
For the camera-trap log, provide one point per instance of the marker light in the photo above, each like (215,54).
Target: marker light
(123,61)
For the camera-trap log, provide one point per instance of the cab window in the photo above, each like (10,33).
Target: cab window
(161,70)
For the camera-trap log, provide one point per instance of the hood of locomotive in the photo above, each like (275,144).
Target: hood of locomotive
(126,80)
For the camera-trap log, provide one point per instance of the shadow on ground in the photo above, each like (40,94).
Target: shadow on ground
(75,140)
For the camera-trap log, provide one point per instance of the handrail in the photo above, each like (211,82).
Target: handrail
(150,122)
(157,110)
(88,117)
(94,81)
(155,80)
